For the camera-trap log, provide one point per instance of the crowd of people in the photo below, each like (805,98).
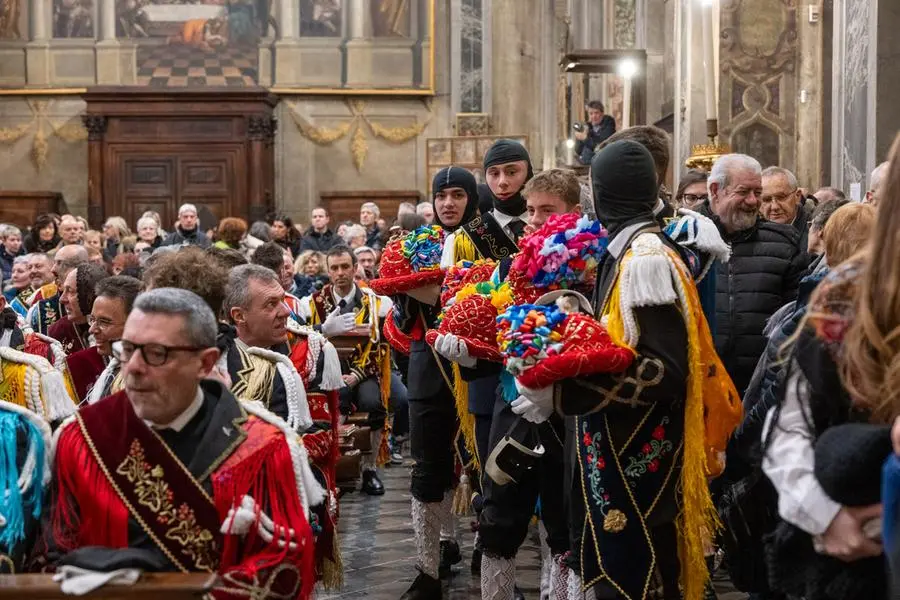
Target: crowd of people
(674,385)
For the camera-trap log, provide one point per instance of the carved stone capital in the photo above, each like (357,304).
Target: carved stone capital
(96,126)
(261,128)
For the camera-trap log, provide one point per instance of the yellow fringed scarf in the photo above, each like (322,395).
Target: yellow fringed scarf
(712,412)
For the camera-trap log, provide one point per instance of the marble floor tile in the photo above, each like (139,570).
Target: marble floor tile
(379,552)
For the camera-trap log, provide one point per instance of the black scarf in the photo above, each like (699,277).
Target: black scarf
(625,186)
(501,153)
(456,177)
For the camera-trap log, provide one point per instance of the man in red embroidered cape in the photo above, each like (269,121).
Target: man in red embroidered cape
(176,467)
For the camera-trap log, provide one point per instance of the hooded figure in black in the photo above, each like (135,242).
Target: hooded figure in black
(432,408)
(462,179)
(621,405)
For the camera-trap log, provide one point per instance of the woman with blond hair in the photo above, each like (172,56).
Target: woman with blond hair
(842,366)
(114,229)
(309,273)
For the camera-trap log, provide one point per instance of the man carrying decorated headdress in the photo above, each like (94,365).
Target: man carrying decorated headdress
(342,307)
(410,274)
(645,439)
(491,236)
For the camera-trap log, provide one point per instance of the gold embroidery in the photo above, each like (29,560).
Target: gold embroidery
(615,521)
(153,492)
(628,389)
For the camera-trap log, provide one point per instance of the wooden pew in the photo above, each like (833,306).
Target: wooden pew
(171,586)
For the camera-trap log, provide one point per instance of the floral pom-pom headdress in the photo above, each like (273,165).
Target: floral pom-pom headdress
(543,344)
(462,274)
(411,262)
(472,317)
(562,254)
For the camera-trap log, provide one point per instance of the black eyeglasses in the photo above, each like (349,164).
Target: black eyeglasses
(693,198)
(154,355)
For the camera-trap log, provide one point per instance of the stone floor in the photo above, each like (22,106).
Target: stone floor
(379,549)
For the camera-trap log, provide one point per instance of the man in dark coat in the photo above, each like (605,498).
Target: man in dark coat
(187,232)
(782,202)
(599,127)
(765,267)
(319,237)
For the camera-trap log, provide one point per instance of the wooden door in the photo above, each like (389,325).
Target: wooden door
(162,179)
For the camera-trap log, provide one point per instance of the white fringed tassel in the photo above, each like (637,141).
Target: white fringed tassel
(331,370)
(298,418)
(706,236)
(648,276)
(57,401)
(309,490)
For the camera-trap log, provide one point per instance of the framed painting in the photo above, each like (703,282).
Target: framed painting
(302,46)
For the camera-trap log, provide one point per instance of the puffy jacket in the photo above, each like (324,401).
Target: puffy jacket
(763,274)
(763,390)
(179,237)
(319,242)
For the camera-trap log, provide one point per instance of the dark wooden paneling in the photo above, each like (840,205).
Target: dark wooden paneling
(20,208)
(157,149)
(344,206)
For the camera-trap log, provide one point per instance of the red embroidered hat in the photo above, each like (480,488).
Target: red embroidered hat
(474,320)
(542,344)
(411,262)
(466,272)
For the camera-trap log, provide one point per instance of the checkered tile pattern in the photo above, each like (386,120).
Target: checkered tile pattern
(179,65)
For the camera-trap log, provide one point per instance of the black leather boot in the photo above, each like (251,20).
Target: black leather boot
(371,484)
(424,588)
(450,555)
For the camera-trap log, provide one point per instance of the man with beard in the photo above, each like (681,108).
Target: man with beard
(765,267)
(432,409)
(45,306)
(94,371)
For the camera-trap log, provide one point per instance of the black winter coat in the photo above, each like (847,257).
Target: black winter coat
(762,276)
(179,237)
(319,242)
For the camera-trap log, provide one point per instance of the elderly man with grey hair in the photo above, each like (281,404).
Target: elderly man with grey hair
(233,475)
(187,231)
(368,218)
(764,270)
(875,180)
(782,201)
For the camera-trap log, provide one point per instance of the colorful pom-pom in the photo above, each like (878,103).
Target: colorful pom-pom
(527,333)
(423,247)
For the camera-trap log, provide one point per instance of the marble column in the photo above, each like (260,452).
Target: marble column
(517,45)
(37,51)
(360,45)
(288,56)
(689,109)
(109,61)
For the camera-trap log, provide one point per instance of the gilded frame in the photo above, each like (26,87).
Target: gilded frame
(428,91)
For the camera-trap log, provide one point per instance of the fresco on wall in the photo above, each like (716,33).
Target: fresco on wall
(180,43)
(321,18)
(73,18)
(11,13)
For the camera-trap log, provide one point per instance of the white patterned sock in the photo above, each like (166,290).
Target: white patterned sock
(427,527)
(559,578)
(498,578)
(448,519)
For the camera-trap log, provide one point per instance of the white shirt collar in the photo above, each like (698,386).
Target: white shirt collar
(184,418)
(349,298)
(621,240)
(504,219)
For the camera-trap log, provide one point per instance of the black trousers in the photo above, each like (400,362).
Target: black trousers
(508,509)
(366,397)
(432,428)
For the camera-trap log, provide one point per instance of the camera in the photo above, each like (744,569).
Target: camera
(578,127)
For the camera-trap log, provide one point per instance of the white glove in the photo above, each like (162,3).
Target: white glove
(454,349)
(542,397)
(530,411)
(75,581)
(338,324)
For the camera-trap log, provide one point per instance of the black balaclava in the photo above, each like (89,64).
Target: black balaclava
(502,152)
(456,177)
(624,184)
